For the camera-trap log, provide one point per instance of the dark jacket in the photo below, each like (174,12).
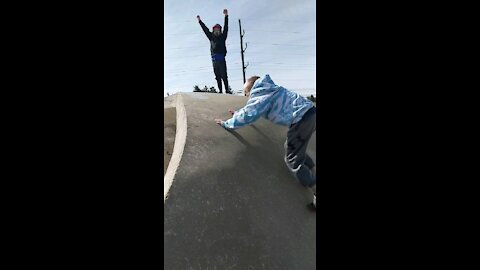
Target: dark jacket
(217,44)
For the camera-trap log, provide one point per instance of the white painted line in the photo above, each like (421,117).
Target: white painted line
(179,145)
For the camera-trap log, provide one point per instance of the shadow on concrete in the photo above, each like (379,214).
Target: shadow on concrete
(239,137)
(261,133)
(234,204)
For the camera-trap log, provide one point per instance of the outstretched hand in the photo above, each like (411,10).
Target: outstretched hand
(225,11)
(198,18)
(218,121)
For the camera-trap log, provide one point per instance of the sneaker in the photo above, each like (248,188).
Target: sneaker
(314,191)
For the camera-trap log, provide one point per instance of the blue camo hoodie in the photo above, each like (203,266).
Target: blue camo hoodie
(272,102)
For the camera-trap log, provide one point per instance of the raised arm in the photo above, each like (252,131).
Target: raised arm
(204,28)
(225,25)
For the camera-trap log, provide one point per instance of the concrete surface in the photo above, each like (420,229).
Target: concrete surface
(175,101)
(233,204)
(169,127)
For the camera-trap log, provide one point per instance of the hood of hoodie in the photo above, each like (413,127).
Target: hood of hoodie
(264,86)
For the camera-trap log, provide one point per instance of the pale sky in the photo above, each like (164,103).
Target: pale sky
(281,37)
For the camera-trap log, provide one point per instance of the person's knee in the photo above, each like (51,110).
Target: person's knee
(306,178)
(307,182)
(302,172)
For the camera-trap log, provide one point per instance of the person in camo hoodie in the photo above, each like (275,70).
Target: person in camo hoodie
(283,107)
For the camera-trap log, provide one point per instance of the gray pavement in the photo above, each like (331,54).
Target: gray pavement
(233,203)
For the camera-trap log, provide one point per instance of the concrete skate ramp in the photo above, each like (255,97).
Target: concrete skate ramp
(233,204)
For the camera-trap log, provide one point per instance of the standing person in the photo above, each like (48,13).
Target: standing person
(218,50)
(283,107)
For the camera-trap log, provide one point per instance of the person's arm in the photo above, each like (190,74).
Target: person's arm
(246,115)
(225,25)
(204,28)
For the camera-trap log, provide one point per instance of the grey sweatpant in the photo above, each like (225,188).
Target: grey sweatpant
(296,157)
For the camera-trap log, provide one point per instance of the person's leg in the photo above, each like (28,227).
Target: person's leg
(218,75)
(295,150)
(309,162)
(224,75)
(219,84)
(311,165)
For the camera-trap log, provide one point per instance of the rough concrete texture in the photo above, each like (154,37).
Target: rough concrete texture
(233,203)
(169,126)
